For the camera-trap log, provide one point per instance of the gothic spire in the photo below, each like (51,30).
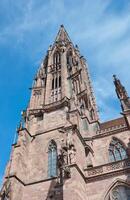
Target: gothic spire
(121,93)
(62,35)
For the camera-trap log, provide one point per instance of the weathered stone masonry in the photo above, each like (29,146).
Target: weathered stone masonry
(63,151)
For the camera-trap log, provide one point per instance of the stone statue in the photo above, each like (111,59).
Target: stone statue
(70,140)
(63,155)
(67,112)
(72,155)
(82,108)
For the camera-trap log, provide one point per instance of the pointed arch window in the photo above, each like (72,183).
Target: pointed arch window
(92,114)
(116,151)
(57,60)
(59,81)
(56,83)
(69,59)
(52,159)
(120,192)
(53,84)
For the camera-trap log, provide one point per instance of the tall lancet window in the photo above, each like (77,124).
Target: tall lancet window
(69,59)
(116,151)
(59,81)
(53,84)
(57,60)
(52,159)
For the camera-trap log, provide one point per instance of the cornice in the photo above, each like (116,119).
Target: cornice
(56,105)
(97,173)
(50,107)
(30,183)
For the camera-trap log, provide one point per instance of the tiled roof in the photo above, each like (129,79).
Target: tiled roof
(112,123)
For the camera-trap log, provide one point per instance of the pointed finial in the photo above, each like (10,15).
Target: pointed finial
(122,94)
(114,76)
(62,35)
(49,49)
(20,126)
(120,89)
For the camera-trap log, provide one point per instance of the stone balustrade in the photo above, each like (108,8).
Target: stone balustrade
(108,168)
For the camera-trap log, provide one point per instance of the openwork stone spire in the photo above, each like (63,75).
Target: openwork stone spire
(120,89)
(122,94)
(62,151)
(62,35)
(63,78)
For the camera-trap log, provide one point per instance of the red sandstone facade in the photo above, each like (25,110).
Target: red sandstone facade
(63,152)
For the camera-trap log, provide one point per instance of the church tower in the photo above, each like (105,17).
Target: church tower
(62,151)
(50,151)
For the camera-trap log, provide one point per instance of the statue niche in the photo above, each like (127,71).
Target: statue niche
(67,154)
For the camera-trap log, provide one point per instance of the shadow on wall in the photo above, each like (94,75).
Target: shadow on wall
(55,191)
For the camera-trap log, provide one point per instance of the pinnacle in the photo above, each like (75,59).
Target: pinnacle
(62,35)
(114,76)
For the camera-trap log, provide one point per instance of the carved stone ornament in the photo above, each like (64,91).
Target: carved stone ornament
(72,155)
(70,140)
(37,92)
(67,154)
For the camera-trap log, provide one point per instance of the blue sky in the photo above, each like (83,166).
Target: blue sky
(100,28)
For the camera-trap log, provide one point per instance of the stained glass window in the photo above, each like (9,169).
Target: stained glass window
(120,193)
(52,159)
(116,151)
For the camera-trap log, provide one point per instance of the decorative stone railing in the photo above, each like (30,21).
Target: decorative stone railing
(108,168)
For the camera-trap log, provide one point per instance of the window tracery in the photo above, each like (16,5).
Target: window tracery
(116,151)
(120,193)
(56,84)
